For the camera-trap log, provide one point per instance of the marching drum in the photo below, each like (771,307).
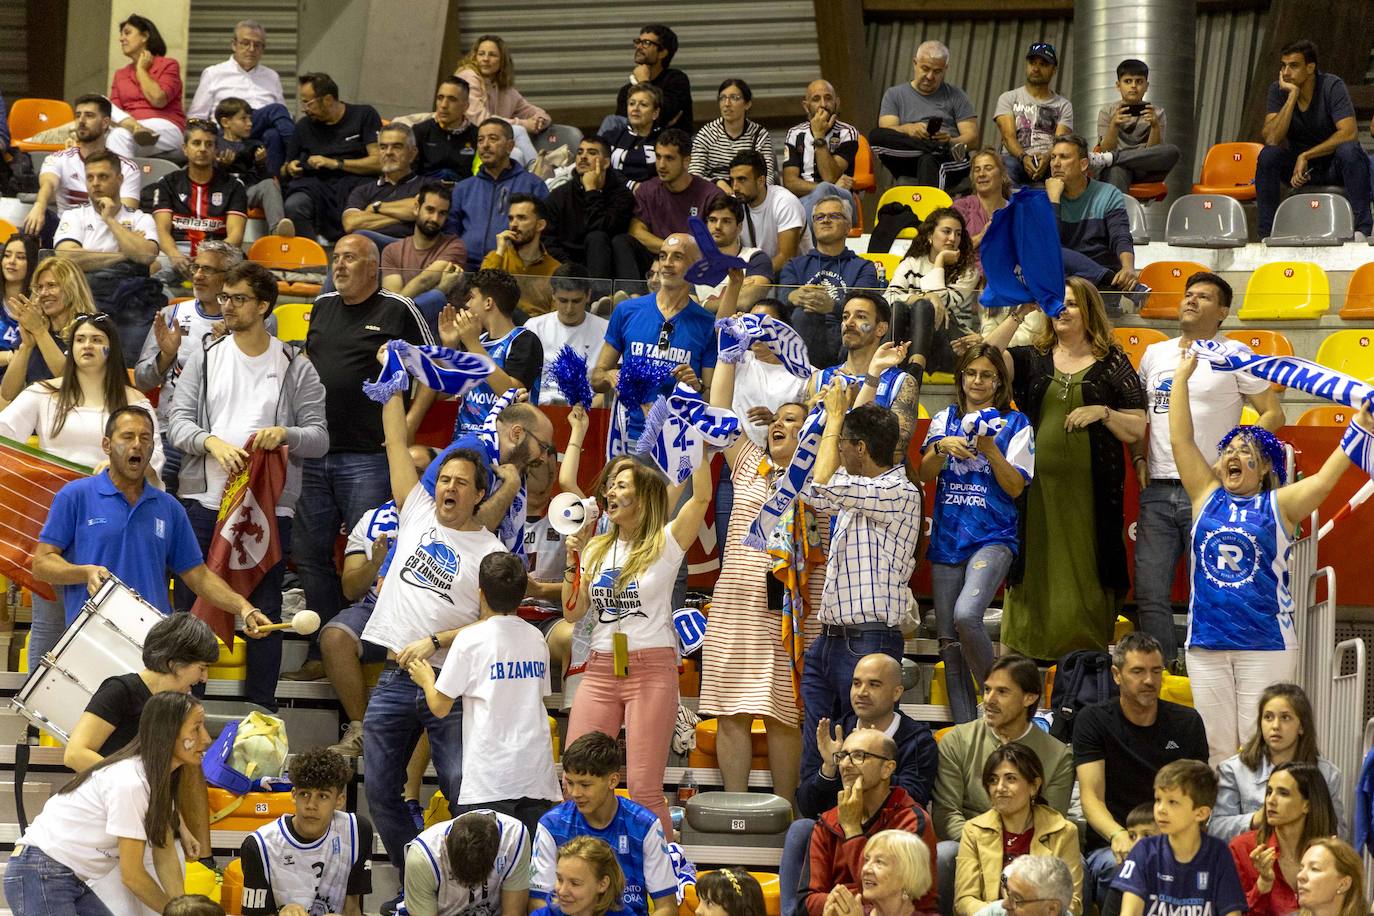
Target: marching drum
(105,640)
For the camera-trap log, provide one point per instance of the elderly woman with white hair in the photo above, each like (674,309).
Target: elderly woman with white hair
(895,874)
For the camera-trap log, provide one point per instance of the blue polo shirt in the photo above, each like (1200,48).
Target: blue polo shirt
(92,523)
(634,332)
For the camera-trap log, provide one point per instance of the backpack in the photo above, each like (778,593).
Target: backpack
(1081,679)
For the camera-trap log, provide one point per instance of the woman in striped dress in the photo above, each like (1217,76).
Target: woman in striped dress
(746,670)
(717,143)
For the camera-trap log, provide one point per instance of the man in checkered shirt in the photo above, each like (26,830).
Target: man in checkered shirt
(877,521)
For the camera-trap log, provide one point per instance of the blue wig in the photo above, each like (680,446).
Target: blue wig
(1269,445)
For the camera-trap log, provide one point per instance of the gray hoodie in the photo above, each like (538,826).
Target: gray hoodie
(300,409)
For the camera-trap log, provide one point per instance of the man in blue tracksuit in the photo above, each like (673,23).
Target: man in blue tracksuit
(478,212)
(817,283)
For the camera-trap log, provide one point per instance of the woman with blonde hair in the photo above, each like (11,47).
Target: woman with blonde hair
(489,72)
(588,880)
(991,192)
(1084,399)
(57,294)
(1331,880)
(625,577)
(895,874)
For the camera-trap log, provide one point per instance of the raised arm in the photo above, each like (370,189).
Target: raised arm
(687,524)
(399,466)
(1302,497)
(836,400)
(1193,470)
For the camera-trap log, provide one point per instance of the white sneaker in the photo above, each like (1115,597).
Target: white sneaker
(351,745)
(1099,161)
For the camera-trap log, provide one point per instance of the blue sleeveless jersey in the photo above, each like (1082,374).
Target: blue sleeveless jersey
(889,383)
(478,401)
(1240,593)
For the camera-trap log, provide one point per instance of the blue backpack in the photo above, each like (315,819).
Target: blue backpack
(1081,679)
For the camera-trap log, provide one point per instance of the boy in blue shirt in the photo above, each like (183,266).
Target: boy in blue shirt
(1182,871)
(591,771)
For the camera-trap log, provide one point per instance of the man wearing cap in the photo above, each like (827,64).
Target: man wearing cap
(926,122)
(1031,116)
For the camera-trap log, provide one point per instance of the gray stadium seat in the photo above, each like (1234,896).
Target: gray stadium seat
(1140,230)
(155,169)
(1312,219)
(1206,221)
(556,135)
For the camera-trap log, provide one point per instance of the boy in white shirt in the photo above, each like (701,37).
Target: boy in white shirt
(500,667)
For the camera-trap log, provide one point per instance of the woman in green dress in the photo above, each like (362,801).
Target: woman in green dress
(1084,400)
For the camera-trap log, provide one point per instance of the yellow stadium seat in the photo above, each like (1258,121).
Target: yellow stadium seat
(231,890)
(921,412)
(768,883)
(706,737)
(1176,689)
(1135,340)
(921,199)
(887,264)
(1167,281)
(293,320)
(1351,352)
(1286,291)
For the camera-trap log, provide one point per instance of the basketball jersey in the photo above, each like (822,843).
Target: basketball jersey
(1240,597)
(889,383)
(314,875)
(454,898)
(478,401)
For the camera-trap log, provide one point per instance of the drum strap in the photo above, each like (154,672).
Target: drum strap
(21,770)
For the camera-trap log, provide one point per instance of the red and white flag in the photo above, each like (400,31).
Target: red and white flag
(245,544)
(29,480)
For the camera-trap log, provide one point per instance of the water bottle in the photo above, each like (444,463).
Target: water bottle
(687,788)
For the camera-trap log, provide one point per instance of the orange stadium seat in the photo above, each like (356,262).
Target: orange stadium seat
(1229,169)
(1359,294)
(33,116)
(1264,342)
(277,252)
(1135,340)
(1326,415)
(1167,281)
(1148,191)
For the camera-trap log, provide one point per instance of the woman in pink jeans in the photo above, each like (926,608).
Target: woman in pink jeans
(625,577)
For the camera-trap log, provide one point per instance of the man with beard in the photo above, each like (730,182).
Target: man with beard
(105,232)
(584,214)
(724,220)
(774,219)
(485,325)
(520,252)
(663,204)
(427,267)
(247,384)
(1031,116)
(820,150)
(62,177)
(820,280)
(479,206)
(384,210)
(198,203)
(332,150)
(447,142)
(654,51)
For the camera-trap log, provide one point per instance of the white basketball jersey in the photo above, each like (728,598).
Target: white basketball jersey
(314,876)
(455,898)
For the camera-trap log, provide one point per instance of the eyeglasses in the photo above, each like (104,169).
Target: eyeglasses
(665,335)
(829,218)
(239,299)
(1012,902)
(250,43)
(976,375)
(646,42)
(859,757)
(730,98)
(544,447)
(207,269)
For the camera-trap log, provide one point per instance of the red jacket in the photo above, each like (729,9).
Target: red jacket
(833,860)
(1281,898)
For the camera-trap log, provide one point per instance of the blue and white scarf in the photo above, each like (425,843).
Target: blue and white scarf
(737,333)
(986,422)
(640,380)
(511,529)
(1358,443)
(447,371)
(1289,371)
(681,427)
(792,481)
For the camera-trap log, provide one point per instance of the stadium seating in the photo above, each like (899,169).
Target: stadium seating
(1206,221)
(1135,340)
(1167,281)
(1265,342)
(922,200)
(1229,170)
(155,169)
(276,252)
(1359,294)
(1146,191)
(1326,415)
(1140,231)
(293,321)
(864,178)
(887,264)
(1312,219)
(1351,352)
(33,116)
(556,135)
(1286,291)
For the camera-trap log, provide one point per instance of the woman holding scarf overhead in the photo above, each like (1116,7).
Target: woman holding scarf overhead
(753,607)
(1083,399)
(1241,636)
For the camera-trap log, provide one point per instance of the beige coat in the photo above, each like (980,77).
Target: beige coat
(978,870)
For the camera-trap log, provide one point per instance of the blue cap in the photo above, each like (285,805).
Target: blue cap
(1043,50)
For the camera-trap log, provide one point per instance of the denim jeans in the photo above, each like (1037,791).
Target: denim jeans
(335,490)
(49,623)
(38,885)
(396,715)
(826,677)
(962,594)
(1347,165)
(796,846)
(1162,534)
(1099,868)
(272,124)
(264,655)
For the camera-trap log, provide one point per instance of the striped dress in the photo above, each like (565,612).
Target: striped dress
(713,148)
(744,668)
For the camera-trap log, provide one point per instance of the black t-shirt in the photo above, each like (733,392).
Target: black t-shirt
(342,344)
(346,139)
(199,211)
(119,701)
(677,99)
(262,902)
(1330,103)
(633,155)
(525,359)
(439,149)
(384,191)
(1134,753)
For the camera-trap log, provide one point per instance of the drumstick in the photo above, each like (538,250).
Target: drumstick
(304,623)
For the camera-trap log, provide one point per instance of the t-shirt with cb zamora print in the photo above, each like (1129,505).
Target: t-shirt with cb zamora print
(1206,885)
(431,584)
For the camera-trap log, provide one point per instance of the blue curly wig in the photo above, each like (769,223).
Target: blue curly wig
(1269,445)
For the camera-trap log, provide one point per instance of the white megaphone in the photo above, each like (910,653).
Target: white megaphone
(567,513)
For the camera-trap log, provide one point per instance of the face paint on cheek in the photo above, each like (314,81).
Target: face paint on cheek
(105,351)
(1250,463)
(865,328)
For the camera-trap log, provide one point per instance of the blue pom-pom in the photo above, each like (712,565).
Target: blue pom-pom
(642,379)
(569,372)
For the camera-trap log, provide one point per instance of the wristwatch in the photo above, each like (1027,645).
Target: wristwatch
(818,143)
(938,450)
(375,206)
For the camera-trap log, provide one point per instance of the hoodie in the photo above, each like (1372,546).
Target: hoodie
(839,274)
(574,211)
(478,211)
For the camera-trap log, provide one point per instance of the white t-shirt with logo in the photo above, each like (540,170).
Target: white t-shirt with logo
(500,667)
(70,168)
(82,828)
(760,384)
(85,227)
(642,609)
(554,335)
(431,585)
(1217,399)
(779,211)
(242,392)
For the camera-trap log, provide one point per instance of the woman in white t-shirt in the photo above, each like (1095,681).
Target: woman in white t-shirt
(104,818)
(625,577)
(68,415)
